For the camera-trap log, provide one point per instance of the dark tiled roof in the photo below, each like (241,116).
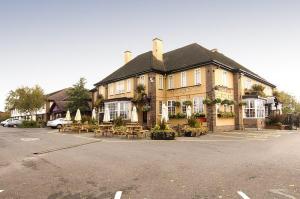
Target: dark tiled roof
(60,95)
(176,60)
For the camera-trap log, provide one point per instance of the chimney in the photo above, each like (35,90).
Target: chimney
(157,49)
(214,50)
(127,56)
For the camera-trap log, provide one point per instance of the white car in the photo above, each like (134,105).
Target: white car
(58,123)
(3,123)
(12,122)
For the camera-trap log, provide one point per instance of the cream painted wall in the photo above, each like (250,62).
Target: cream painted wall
(219,78)
(268,89)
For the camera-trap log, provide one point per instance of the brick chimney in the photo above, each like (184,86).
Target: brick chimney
(157,49)
(127,56)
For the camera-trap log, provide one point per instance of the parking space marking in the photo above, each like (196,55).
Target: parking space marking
(280,192)
(1,191)
(243,195)
(29,139)
(118,195)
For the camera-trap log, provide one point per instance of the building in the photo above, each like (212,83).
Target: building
(191,74)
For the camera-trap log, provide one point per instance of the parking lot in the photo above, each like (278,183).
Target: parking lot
(42,163)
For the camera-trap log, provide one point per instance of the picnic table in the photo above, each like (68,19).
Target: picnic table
(104,129)
(135,130)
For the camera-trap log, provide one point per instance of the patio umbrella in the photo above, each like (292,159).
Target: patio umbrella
(68,116)
(189,112)
(165,113)
(94,114)
(134,115)
(78,116)
(106,117)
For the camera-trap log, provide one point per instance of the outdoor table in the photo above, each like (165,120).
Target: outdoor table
(134,130)
(106,128)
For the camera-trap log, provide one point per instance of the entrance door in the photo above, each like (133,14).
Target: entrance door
(144,118)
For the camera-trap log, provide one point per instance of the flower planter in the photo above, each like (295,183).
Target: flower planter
(163,135)
(202,119)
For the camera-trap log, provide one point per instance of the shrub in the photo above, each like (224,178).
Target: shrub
(162,131)
(187,103)
(193,122)
(275,119)
(180,115)
(118,122)
(29,124)
(207,101)
(226,114)
(192,132)
(217,101)
(177,104)
(86,118)
(198,115)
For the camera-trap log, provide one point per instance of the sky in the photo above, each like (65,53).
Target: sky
(53,43)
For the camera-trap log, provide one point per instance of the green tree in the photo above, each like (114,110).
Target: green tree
(79,97)
(289,102)
(26,99)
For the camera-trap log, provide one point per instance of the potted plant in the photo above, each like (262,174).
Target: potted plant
(194,128)
(207,101)
(162,131)
(187,103)
(217,101)
(177,104)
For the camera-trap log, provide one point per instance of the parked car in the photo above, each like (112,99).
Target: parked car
(4,122)
(58,123)
(13,122)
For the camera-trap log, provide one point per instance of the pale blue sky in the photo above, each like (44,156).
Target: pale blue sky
(55,42)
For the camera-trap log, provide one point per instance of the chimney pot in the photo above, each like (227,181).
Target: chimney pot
(157,49)
(127,56)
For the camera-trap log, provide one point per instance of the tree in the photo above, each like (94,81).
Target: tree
(26,99)
(289,102)
(79,97)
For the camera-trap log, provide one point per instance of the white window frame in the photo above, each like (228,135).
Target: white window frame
(183,107)
(142,79)
(128,85)
(171,107)
(120,87)
(161,81)
(160,103)
(170,82)
(197,76)
(248,83)
(183,79)
(198,106)
(224,78)
(119,108)
(255,111)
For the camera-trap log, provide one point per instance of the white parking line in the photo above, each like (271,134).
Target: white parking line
(118,195)
(29,139)
(280,192)
(1,191)
(243,195)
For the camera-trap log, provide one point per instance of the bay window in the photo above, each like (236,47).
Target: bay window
(119,109)
(254,108)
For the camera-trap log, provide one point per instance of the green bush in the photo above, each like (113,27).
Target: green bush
(198,115)
(275,119)
(193,122)
(118,122)
(162,131)
(163,135)
(192,132)
(29,124)
(226,114)
(180,115)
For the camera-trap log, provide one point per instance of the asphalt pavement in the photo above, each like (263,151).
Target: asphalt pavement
(42,163)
